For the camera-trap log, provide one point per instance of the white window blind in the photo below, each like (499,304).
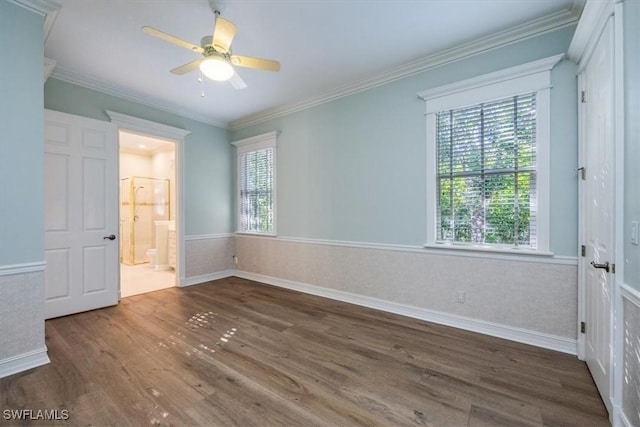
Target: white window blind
(486,173)
(256,191)
(488,161)
(257,184)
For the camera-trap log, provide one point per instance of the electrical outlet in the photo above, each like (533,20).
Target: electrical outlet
(235,260)
(635,239)
(460,296)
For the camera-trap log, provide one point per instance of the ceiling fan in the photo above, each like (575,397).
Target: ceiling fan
(217,59)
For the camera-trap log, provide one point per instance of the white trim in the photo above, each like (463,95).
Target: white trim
(510,36)
(172,134)
(268,138)
(622,420)
(106,88)
(136,124)
(427,250)
(488,248)
(617,321)
(535,77)
(539,339)
(582,308)
(196,280)
(263,141)
(543,168)
(27,267)
(47,8)
(535,69)
(208,236)
(49,65)
(630,294)
(22,362)
(41,7)
(592,21)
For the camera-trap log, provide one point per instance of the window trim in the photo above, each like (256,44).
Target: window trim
(246,145)
(527,78)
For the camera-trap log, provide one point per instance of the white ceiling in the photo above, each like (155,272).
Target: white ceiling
(322,45)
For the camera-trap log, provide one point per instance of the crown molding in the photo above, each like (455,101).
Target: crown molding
(592,21)
(503,38)
(108,89)
(41,7)
(49,65)
(46,8)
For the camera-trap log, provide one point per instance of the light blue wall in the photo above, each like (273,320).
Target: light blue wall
(354,169)
(21,136)
(208,158)
(632,139)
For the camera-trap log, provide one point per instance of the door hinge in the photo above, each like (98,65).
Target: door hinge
(583,327)
(583,96)
(613,268)
(583,250)
(583,172)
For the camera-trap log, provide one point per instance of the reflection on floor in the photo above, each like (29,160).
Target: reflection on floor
(141,278)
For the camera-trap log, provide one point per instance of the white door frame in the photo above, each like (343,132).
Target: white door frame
(173,134)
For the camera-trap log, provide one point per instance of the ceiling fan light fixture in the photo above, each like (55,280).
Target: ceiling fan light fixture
(216,68)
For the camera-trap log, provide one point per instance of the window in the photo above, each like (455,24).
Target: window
(488,160)
(256,184)
(486,175)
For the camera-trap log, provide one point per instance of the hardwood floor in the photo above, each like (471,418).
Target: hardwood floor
(235,352)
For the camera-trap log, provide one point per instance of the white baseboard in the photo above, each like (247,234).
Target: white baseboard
(22,362)
(196,280)
(538,339)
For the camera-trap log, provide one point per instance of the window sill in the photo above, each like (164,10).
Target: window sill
(486,249)
(255,233)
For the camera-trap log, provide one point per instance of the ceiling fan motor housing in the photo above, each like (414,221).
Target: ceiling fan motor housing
(217,6)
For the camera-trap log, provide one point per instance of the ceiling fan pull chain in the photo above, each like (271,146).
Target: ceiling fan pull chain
(200,80)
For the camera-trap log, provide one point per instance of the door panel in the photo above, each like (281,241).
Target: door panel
(597,216)
(81,270)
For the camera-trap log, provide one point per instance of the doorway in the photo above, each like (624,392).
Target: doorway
(147,211)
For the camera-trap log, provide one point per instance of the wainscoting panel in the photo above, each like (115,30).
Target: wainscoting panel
(537,297)
(208,257)
(21,318)
(631,364)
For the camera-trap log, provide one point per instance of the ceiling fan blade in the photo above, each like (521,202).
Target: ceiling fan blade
(172,39)
(252,62)
(223,34)
(237,82)
(189,66)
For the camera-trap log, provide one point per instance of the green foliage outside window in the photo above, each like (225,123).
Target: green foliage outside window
(486,173)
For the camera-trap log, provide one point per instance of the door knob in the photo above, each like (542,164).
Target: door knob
(604,266)
(110,237)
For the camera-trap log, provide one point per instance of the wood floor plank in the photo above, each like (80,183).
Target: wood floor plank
(238,353)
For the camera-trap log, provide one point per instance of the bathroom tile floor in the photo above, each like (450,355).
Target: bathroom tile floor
(141,278)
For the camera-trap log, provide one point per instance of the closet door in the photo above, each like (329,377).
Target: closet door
(597,209)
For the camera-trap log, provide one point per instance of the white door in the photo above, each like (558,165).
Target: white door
(597,210)
(81,218)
